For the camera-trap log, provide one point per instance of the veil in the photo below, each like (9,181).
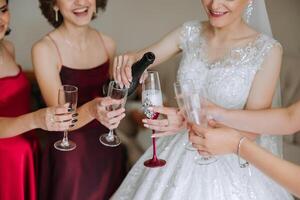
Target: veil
(260,22)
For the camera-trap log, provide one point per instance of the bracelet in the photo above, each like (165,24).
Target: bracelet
(244,164)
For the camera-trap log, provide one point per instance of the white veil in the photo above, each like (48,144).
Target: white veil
(259,20)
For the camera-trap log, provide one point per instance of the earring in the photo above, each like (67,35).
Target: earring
(56,13)
(95,13)
(249,11)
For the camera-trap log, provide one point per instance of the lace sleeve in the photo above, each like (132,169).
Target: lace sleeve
(266,44)
(189,32)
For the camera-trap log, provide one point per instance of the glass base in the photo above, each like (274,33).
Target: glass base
(153,163)
(190,147)
(64,146)
(205,160)
(114,141)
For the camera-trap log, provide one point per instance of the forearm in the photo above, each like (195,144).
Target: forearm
(274,121)
(161,55)
(84,115)
(13,126)
(283,172)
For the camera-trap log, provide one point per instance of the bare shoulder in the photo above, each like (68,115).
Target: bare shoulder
(9,46)
(42,45)
(109,43)
(44,51)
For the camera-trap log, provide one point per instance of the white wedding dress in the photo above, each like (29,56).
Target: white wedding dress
(227,82)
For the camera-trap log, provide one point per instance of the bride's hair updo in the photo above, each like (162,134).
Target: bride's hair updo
(47,6)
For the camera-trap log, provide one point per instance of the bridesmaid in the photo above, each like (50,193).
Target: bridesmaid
(75,53)
(18,147)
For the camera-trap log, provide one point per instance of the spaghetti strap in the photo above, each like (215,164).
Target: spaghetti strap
(57,49)
(102,41)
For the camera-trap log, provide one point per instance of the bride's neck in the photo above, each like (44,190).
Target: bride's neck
(228,32)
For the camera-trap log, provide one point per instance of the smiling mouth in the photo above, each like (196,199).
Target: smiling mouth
(217,13)
(81,11)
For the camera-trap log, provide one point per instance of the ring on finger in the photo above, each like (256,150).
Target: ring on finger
(52,120)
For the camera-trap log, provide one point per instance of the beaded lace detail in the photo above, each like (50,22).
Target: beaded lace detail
(228,82)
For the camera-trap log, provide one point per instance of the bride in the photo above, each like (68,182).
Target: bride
(239,68)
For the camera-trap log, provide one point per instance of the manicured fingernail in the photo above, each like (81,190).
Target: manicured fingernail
(153,136)
(75,115)
(74,120)
(144,121)
(146,125)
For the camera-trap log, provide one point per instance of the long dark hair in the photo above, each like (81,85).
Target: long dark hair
(8,29)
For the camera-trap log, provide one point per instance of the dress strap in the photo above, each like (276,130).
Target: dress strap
(57,49)
(102,41)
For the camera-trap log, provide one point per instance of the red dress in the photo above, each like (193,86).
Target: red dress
(18,155)
(91,171)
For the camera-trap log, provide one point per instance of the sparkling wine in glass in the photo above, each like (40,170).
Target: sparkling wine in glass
(151,96)
(183,88)
(67,94)
(115,92)
(195,114)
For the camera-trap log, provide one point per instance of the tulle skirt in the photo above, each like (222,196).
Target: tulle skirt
(183,179)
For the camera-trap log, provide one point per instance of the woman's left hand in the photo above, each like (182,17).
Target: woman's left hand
(215,141)
(173,122)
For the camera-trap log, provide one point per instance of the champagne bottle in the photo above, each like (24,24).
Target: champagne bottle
(137,70)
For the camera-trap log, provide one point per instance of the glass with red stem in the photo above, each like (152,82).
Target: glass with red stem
(152,96)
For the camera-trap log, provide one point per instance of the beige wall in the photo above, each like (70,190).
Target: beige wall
(132,23)
(136,23)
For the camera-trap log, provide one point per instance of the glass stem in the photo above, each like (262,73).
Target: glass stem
(110,136)
(154,147)
(65,140)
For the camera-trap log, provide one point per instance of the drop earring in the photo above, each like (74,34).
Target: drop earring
(56,13)
(249,11)
(95,13)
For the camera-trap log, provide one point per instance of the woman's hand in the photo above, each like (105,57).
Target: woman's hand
(122,69)
(110,119)
(213,111)
(215,141)
(56,118)
(173,122)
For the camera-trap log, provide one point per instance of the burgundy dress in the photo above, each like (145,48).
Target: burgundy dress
(91,171)
(18,155)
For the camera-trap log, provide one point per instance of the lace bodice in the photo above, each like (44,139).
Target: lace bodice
(227,81)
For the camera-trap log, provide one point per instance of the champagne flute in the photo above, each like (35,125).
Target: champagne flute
(151,96)
(115,92)
(195,114)
(67,94)
(183,88)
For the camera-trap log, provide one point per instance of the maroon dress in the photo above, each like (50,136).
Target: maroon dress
(18,155)
(91,171)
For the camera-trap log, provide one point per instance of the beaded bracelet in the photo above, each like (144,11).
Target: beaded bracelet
(245,164)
